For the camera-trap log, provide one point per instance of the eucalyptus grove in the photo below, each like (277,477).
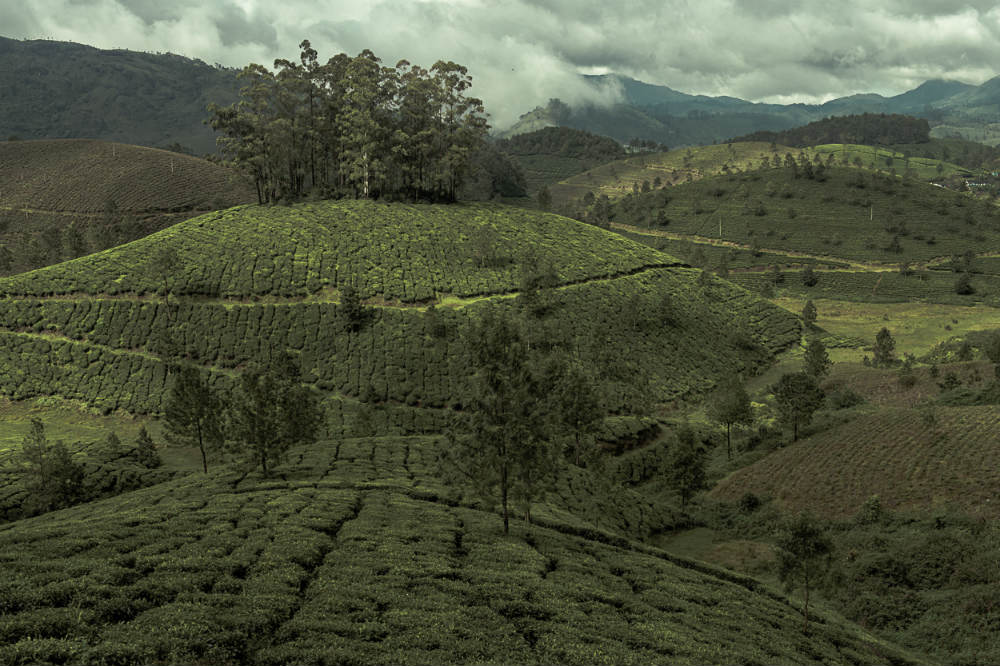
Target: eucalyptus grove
(352,127)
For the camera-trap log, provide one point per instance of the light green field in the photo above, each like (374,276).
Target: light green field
(916,327)
(885,159)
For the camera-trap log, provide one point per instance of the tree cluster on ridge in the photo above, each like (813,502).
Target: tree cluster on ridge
(352,127)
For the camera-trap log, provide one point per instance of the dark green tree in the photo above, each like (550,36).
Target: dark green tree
(809,277)
(145,450)
(797,397)
(163,264)
(544,198)
(992,351)
(729,405)
(884,350)
(578,406)
(194,414)
(809,314)
(963,285)
(53,480)
(6,259)
(804,552)
(816,360)
(503,439)
(271,412)
(354,314)
(686,461)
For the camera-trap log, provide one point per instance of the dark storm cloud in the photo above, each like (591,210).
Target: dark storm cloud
(522,52)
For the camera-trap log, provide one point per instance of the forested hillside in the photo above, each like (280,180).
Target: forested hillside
(867,128)
(55,90)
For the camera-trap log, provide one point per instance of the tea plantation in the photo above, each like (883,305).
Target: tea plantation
(841,212)
(908,461)
(356,554)
(619,304)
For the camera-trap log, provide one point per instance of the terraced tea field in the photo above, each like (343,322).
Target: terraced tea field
(254,279)
(58,198)
(895,454)
(848,214)
(354,552)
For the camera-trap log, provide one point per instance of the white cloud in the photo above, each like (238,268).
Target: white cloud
(523,52)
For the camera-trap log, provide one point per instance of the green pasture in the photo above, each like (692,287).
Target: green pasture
(713,254)
(617,179)
(916,327)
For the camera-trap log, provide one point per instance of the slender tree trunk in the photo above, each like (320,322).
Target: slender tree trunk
(503,493)
(805,627)
(201,447)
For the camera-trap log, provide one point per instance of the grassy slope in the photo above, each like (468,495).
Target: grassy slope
(853,214)
(878,157)
(892,453)
(111,351)
(878,287)
(355,551)
(542,170)
(617,178)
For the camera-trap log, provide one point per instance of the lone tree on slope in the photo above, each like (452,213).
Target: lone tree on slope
(804,552)
(503,443)
(271,412)
(884,348)
(729,405)
(52,479)
(193,413)
(797,397)
(809,314)
(817,362)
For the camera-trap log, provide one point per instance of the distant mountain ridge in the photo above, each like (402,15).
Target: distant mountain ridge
(59,90)
(662,114)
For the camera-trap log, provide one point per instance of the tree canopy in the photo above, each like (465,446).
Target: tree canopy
(352,127)
(797,397)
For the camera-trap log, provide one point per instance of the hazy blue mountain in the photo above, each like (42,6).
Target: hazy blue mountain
(662,114)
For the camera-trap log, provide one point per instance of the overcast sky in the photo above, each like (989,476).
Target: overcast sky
(522,52)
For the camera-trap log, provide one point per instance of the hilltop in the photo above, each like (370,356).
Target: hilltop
(107,193)
(256,278)
(866,128)
(551,154)
(677,167)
